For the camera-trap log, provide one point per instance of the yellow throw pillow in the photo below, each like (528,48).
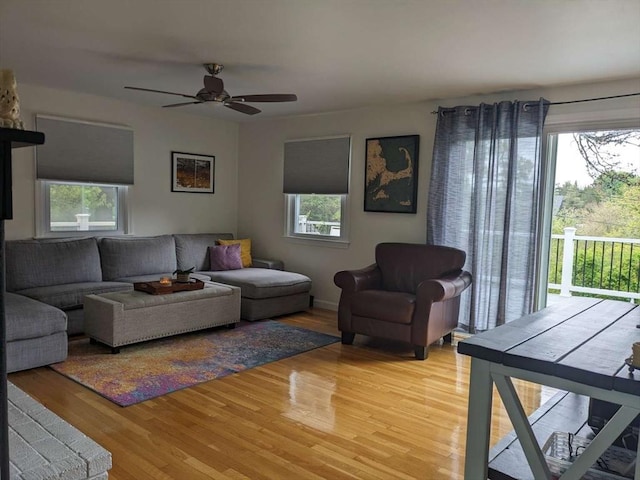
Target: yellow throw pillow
(245,249)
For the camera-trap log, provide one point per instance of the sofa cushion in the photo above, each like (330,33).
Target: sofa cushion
(128,257)
(28,318)
(71,295)
(225,257)
(40,263)
(245,249)
(263,283)
(192,249)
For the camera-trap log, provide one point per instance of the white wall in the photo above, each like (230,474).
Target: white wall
(157,132)
(248,199)
(261,202)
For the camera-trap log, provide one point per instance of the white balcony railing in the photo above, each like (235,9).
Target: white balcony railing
(82,223)
(318,227)
(595,265)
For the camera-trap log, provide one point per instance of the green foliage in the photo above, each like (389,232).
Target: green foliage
(68,200)
(614,183)
(321,208)
(325,208)
(599,264)
(608,208)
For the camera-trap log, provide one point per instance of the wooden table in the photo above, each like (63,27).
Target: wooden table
(578,345)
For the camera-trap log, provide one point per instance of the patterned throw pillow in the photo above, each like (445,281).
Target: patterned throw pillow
(225,257)
(245,249)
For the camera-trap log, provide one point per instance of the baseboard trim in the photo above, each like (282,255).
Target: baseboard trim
(325,304)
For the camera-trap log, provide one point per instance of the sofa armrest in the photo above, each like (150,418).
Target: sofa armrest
(368,278)
(267,263)
(438,290)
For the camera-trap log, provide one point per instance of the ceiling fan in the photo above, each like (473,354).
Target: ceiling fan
(214,91)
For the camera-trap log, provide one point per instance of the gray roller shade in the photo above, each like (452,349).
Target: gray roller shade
(317,166)
(84,152)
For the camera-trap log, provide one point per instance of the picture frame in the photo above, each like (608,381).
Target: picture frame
(192,173)
(391,174)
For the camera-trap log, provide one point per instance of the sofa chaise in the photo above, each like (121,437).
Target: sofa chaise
(47,281)
(267,290)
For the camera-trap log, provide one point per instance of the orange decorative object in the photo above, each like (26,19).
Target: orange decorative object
(165,281)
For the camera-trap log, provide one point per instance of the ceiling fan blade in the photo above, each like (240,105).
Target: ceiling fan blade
(272,97)
(181,104)
(213,84)
(161,91)
(241,107)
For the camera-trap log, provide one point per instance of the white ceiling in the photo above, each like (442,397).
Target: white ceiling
(334,54)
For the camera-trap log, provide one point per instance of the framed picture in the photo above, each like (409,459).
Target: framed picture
(391,174)
(192,173)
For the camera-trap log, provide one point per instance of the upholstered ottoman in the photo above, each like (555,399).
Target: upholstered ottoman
(122,318)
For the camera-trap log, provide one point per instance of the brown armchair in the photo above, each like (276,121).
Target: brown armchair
(411,294)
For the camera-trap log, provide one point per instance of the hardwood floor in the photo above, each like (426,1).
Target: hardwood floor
(363,411)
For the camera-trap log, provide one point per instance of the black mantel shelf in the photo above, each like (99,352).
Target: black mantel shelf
(21,138)
(10,138)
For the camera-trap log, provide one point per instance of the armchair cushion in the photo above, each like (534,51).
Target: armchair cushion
(394,307)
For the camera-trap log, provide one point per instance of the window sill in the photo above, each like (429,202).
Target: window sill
(318,242)
(80,234)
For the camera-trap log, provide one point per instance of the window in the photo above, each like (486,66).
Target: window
(321,217)
(75,208)
(82,175)
(316,187)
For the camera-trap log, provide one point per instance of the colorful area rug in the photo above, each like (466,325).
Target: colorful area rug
(147,370)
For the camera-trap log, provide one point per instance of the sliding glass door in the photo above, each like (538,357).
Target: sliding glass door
(591,225)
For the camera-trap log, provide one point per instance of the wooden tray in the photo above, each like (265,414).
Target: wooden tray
(156,288)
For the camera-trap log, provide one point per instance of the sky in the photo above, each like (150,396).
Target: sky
(571,167)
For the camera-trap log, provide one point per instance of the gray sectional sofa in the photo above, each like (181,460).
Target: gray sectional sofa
(47,280)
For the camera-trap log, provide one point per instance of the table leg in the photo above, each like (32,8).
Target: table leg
(637,474)
(478,421)
(521,425)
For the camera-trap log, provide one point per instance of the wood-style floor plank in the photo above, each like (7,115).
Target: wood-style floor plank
(362,411)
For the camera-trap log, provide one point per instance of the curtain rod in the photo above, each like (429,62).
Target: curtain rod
(435,112)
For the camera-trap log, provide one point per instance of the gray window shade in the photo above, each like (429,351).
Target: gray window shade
(317,166)
(84,152)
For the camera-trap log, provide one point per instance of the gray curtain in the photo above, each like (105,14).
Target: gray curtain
(485,198)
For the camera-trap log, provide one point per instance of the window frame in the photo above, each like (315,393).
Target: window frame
(43,211)
(292,202)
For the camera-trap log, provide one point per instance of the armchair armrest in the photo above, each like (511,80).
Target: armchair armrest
(355,280)
(449,286)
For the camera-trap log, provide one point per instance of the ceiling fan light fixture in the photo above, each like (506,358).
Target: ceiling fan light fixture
(213,68)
